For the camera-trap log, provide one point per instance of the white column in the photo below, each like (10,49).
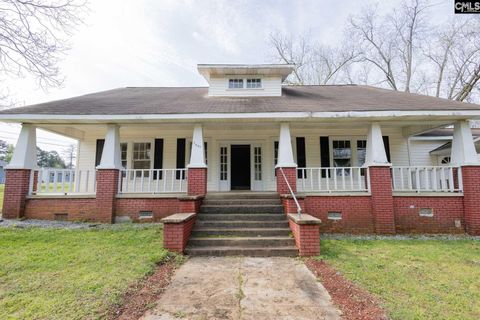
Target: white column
(376,155)
(197,154)
(285,153)
(111,155)
(25,153)
(463,148)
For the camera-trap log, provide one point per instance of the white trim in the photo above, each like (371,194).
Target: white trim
(465,114)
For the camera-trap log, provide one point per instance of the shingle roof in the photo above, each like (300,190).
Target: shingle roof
(164,100)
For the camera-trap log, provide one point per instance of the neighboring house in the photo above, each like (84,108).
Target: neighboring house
(345,151)
(2,171)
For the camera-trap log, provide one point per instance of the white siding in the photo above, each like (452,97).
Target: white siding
(271,86)
(263,135)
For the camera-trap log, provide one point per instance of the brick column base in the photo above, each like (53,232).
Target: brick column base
(176,231)
(15,193)
(107,188)
(306,231)
(382,199)
(291,175)
(197,181)
(471,199)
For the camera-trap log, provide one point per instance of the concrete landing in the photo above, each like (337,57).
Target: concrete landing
(244,288)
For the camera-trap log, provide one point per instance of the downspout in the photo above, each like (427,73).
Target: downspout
(408,152)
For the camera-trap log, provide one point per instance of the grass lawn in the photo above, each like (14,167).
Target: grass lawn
(72,274)
(415,279)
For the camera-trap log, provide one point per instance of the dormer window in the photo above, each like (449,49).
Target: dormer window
(235,83)
(254,83)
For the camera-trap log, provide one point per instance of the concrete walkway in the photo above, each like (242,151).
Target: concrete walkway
(244,288)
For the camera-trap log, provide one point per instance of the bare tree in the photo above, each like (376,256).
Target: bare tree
(314,63)
(32,37)
(377,41)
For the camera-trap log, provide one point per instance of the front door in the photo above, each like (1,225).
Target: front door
(240,167)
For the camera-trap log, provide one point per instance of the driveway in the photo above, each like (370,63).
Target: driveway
(244,288)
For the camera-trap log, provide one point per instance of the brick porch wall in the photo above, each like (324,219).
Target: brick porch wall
(471,201)
(446,210)
(307,239)
(15,193)
(356,213)
(78,209)
(107,188)
(175,235)
(160,207)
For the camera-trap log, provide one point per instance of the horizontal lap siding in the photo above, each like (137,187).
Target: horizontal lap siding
(271,86)
(214,137)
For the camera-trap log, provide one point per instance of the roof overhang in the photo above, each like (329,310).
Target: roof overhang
(220,70)
(368,116)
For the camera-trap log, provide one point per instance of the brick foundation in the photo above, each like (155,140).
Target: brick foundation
(107,188)
(471,200)
(291,175)
(15,193)
(197,181)
(447,214)
(176,234)
(382,199)
(289,205)
(307,237)
(77,209)
(160,208)
(356,213)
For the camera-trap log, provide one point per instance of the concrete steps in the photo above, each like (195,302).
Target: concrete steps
(247,208)
(241,223)
(289,251)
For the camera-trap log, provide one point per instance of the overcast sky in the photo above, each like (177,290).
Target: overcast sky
(159,42)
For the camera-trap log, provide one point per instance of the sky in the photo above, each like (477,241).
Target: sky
(160,42)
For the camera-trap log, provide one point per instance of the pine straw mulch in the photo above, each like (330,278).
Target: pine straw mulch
(354,302)
(144,294)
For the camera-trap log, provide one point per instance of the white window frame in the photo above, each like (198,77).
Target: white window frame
(353,146)
(234,79)
(244,82)
(254,79)
(130,151)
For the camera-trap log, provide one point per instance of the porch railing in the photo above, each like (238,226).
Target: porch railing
(333,179)
(427,179)
(152,180)
(62,182)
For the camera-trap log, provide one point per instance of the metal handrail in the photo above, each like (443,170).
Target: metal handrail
(299,209)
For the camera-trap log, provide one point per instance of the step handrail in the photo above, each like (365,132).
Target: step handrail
(299,209)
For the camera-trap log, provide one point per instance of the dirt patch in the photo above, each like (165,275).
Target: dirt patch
(355,302)
(143,295)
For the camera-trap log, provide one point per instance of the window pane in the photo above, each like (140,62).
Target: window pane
(361,152)
(235,83)
(342,155)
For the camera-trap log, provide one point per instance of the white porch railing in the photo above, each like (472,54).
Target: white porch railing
(427,179)
(62,182)
(152,180)
(333,179)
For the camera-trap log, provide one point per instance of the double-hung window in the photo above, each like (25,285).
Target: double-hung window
(342,155)
(141,156)
(254,83)
(235,83)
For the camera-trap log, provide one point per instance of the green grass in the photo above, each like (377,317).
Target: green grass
(72,274)
(414,279)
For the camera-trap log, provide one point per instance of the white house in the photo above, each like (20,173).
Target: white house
(330,142)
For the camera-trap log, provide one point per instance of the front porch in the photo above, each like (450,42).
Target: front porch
(356,178)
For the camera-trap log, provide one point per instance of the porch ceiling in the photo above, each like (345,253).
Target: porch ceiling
(409,127)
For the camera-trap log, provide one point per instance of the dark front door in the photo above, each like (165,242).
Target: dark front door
(240,167)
